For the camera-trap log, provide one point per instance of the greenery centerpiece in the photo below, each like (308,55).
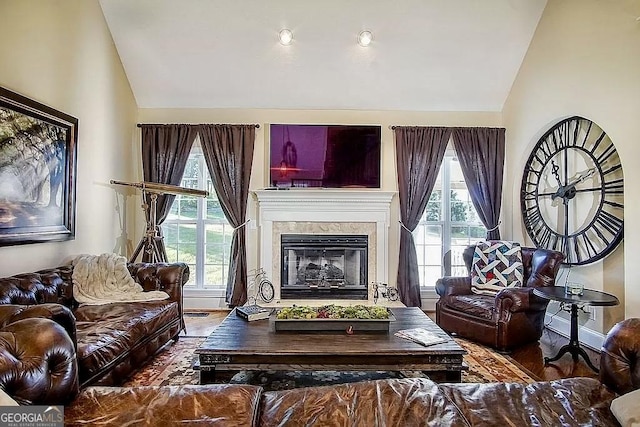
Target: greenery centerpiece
(333,311)
(333,317)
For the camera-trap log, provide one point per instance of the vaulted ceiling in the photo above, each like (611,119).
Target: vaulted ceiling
(426,55)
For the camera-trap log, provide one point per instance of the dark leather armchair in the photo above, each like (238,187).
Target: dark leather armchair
(513,317)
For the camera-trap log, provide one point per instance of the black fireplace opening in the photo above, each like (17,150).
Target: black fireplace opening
(315,266)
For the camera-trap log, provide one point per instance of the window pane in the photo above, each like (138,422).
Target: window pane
(214,275)
(214,211)
(188,207)
(432,274)
(433,209)
(459,206)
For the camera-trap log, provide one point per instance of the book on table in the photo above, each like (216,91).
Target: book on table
(421,336)
(253,312)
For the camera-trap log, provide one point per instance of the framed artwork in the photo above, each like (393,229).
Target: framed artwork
(38,147)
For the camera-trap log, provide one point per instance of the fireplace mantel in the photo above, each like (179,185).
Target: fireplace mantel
(337,211)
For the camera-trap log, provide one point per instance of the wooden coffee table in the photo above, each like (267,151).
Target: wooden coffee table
(238,345)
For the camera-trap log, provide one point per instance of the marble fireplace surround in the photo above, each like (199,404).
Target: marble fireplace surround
(324,211)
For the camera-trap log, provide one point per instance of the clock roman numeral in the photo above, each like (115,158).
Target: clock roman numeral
(598,141)
(545,237)
(591,249)
(612,169)
(530,196)
(609,222)
(586,135)
(614,187)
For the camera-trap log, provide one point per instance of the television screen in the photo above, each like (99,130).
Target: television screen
(330,156)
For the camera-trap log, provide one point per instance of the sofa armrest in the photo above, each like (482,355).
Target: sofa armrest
(161,277)
(169,278)
(450,285)
(620,357)
(40,367)
(10,313)
(520,299)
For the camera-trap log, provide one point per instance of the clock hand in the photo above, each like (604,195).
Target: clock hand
(564,190)
(554,170)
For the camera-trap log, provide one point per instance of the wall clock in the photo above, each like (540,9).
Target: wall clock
(572,192)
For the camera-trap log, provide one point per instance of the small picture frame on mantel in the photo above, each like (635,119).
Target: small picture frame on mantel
(38,149)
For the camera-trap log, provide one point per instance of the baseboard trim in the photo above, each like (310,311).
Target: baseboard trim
(587,337)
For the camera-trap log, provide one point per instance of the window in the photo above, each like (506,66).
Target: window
(196,231)
(449,224)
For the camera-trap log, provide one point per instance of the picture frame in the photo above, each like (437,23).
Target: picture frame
(38,155)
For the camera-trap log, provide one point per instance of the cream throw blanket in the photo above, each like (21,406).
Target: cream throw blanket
(105,279)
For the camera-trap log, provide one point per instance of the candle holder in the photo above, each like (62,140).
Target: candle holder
(573,288)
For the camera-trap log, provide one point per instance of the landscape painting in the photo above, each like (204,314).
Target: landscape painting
(37,171)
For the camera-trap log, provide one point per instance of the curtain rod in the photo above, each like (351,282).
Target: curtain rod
(393,127)
(165,124)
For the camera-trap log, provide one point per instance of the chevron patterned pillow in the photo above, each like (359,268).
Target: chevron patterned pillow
(496,265)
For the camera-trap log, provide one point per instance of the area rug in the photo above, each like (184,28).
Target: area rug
(174,366)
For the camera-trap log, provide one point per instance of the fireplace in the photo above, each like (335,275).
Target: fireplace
(320,266)
(334,212)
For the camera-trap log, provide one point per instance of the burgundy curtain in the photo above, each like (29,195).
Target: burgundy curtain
(481,155)
(165,150)
(419,154)
(228,151)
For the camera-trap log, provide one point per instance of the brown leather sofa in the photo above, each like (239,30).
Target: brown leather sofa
(513,317)
(111,341)
(393,402)
(38,362)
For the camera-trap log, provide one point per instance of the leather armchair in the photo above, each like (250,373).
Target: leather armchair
(513,317)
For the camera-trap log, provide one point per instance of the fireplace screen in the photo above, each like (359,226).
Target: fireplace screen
(324,266)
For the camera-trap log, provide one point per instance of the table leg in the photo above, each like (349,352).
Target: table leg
(574,344)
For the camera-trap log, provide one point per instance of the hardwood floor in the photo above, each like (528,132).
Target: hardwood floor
(529,357)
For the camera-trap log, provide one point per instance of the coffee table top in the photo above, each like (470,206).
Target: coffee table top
(237,336)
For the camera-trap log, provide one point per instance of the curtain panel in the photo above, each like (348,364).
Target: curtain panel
(481,155)
(419,154)
(165,150)
(228,152)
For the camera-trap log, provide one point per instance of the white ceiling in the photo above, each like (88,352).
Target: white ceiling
(427,55)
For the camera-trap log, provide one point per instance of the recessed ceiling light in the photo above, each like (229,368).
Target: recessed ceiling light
(364,38)
(286,37)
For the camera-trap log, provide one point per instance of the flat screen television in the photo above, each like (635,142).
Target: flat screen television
(329,156)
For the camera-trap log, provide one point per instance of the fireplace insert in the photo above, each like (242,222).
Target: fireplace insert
(315,266)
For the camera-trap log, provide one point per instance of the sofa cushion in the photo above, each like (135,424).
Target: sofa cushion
(496,265)
(107,332)
(573,401)
(392,402)
(482,306)
(206,405)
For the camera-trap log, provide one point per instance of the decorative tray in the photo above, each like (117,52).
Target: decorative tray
(319,324)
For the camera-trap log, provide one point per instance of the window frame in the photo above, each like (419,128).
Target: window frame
(198,270)
(445,223)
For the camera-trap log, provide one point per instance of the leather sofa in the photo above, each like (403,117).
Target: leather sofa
(513,317)
(110,341)
(393,402)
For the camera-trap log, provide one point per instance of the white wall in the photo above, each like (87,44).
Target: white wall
(60,53)
(584,60)
(259,177)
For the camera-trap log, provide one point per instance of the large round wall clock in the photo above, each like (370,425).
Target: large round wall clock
(572,192)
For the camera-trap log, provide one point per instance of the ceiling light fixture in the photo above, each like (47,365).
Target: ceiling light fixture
(364,38)
(286,37)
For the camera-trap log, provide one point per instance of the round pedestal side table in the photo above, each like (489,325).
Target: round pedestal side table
(588,296)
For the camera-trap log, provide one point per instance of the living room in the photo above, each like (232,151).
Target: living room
(581,60)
